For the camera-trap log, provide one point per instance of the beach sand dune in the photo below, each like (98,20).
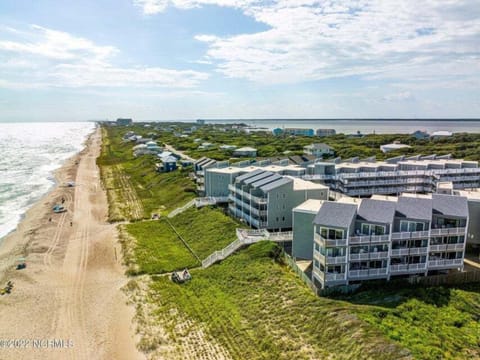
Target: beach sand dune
(67,303)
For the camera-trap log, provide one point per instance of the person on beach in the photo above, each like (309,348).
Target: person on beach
(71,223)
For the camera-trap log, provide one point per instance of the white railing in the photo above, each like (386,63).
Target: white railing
(440,247)
(336,259)
(362,256)
(365,239)
(456,247)
(328,242)
(408,267)
(258,200)
(357,273)
(448,231)
(331,276)
(400,252)
(378,255)
(445,263)
(418,251)
(409,235)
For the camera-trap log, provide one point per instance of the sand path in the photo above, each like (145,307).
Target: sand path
(68,304)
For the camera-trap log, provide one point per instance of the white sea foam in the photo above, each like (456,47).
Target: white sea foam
(29,154)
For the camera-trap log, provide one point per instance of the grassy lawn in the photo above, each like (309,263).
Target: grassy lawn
(157,248)
(258,309)
(205,230)
(433,323)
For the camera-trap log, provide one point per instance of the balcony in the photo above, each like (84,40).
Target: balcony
(400,252)
(456,247)
(331,276)
(330,243)
(447,263)
(258,200)
(448,231)
(440,247)
(336,259)
(409,235)
(378,255)
(366,273)
(365,239)
(408,267)
(362,256)
(418,251)
(258,212)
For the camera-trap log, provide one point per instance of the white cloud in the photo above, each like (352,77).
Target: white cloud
(313,39)
(42,57)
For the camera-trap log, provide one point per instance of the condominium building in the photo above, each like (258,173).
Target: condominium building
(264,199)
(417,174)
(383,237)
(318,150)
(217,179)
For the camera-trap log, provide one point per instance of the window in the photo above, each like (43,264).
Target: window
(409,226)
(283,218)
(370,229)
(316,264)
(316,247)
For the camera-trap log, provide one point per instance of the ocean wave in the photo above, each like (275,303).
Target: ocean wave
(31,152)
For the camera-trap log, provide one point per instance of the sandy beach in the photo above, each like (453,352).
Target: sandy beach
(68,302)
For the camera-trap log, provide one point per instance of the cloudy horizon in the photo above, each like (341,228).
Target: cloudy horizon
(189,59)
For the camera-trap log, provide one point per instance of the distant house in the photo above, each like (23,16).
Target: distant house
(299,131)
(420,135)
(326,132)
(441,134)
(318,150)
(395,146)
(277,131)
(200,122)
(227,147)
(124,122)
(167,164)
(245,152)
(206,146)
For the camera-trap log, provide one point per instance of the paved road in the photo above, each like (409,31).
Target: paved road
(180,153)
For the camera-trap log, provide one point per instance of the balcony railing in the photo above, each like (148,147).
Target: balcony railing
(365,273)
(362,256)
(329,242)
(369,256)
(400,252)
(259,200)
(418,251)
(365,239)
(445,263)
(408,267)
(440,247)
(409,235)
(456,247)
(448,231)
(332,276)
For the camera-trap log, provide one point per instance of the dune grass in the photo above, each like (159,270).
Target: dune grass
(258,309)
(157,248)
(433,323)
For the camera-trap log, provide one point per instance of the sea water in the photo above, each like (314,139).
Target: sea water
(29,155)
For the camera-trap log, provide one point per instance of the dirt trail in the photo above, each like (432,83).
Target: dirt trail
(68,303)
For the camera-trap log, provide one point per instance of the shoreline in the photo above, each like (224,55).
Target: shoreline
(55,174)
(72,286)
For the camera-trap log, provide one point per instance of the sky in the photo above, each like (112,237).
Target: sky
(75,60)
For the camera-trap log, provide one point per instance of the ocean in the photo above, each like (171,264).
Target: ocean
(351,126)
(30,153)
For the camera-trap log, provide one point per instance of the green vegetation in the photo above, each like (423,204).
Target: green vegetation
(459,145)
(258,309)
(158,249)
(433,323)
(135,190)
(251,303)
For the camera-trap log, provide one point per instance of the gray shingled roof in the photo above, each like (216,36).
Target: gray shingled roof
(450,205)
(414,208)
(272,177)
(320,146)
(249,174)
(275,184)
(335,214)
(260,176)
(378,211)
